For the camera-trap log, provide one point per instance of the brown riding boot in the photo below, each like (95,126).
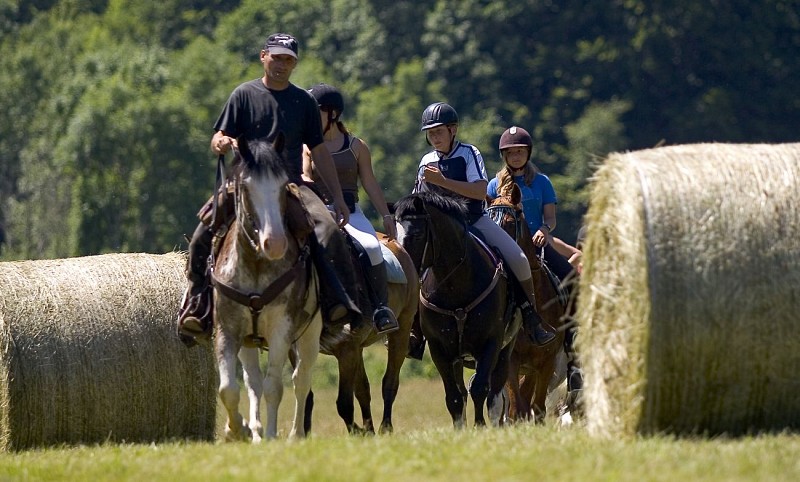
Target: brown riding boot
(530,318)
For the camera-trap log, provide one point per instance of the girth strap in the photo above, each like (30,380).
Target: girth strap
(460,314)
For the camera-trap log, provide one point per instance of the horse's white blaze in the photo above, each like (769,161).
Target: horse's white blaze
(265,193)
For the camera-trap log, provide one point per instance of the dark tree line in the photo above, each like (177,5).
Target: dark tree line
(108,106)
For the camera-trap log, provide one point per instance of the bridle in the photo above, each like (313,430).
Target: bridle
(254,301)
(497,213)
(460,314)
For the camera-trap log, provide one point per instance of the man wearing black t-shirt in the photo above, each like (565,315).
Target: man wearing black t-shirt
(260,109)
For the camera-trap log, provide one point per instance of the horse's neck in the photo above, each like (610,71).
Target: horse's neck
(459,256)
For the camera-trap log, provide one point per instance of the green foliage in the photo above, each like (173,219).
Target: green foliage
(109,105)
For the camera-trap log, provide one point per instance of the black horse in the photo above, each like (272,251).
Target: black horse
(463,302)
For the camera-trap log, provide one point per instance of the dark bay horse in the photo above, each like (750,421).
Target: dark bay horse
(463,302)
(261,278)
(535,364)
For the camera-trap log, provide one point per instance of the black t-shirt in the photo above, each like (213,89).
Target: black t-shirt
(253,112)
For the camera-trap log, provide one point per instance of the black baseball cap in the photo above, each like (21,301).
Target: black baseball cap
(281,43)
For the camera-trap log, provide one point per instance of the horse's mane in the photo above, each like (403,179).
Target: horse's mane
(449,205)
(259,157)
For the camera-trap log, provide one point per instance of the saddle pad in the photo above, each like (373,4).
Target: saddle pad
(394,272)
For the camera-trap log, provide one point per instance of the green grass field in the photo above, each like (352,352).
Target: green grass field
(423,447)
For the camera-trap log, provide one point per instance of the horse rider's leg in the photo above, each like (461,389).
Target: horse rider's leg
(574,372)
(371,258)
(253,384)
(495,406)
(363,395)
(227,349)
(454,397)
(331,256)
(521,268)
(347,355)
(307,350)
(194,317)
(530,318)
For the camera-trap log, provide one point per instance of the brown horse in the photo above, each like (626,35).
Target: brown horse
(348,350)
(532,364)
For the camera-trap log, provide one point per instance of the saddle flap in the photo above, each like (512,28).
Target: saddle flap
(298,220)
(394,271)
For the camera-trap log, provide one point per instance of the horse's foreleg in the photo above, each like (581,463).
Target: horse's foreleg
(363,395)
(496,407)
(398,346)
(484,366)
(307,350)
(513,384)
(543,376)
(346,356)
(273,383)
(253,383)
(454,392)
(229,388)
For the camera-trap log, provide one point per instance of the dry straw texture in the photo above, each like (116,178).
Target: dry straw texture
(690,296)
(89,353)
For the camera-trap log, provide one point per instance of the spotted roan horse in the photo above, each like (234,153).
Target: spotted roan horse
(260,277)
(463,302)
(535,364)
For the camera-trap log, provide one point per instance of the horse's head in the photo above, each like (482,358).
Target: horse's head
(260,187)
(506,211)
(424,217)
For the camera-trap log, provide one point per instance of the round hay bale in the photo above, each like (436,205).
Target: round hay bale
(89,354)
(691,291)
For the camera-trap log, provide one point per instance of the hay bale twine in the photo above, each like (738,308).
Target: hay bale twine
(89,353)
(690,294)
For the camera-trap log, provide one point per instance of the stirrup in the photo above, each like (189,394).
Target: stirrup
(384,320)
(542,337)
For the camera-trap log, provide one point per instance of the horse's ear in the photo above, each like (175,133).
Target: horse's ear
(516,194)
(280,142)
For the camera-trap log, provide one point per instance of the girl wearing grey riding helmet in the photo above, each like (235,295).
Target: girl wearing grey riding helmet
(353,162)
(456,168)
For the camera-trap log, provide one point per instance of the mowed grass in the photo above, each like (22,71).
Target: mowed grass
(424,446)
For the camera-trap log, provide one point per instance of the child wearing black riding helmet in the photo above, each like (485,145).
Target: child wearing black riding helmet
(353,162)
(456,168)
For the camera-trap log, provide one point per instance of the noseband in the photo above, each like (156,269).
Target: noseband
(497,213)
(243,216)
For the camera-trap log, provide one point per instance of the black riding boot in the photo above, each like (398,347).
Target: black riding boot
(530,318)
(383,318)
(195,322)
(574,372)
(335,302)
